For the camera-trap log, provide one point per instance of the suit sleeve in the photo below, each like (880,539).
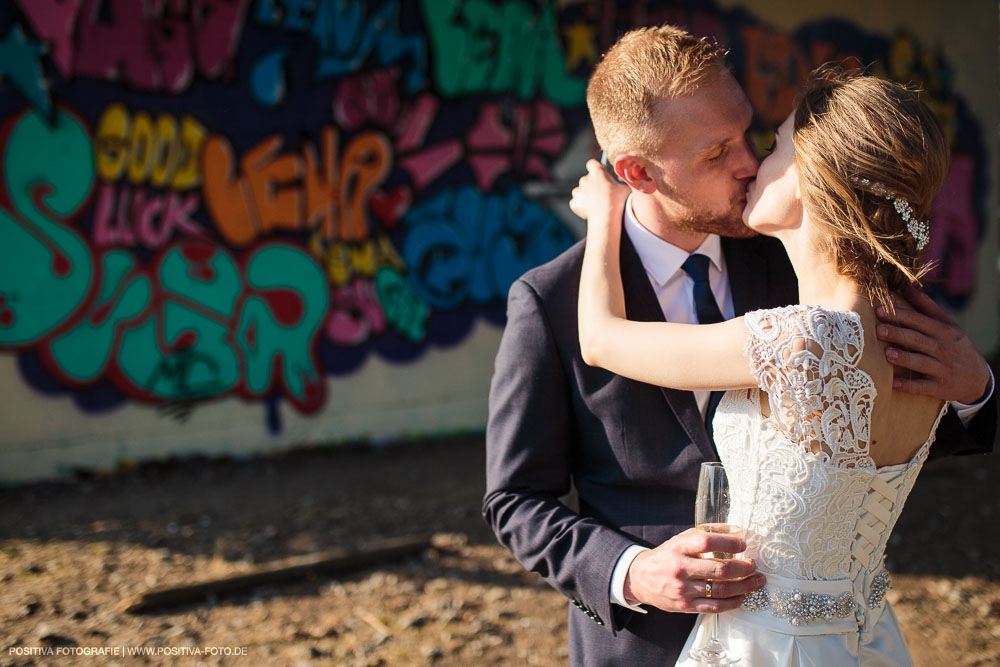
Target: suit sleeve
(976,437)
(529,440)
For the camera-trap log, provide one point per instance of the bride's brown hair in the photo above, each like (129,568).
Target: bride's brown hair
(849,128)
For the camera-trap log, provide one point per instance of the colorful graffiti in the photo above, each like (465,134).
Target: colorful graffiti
(240,198)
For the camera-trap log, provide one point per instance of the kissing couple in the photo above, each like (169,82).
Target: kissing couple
(764,315)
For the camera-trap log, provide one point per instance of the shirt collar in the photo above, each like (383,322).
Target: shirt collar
(661,259)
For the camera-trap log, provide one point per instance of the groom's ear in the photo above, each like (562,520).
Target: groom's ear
(633,170)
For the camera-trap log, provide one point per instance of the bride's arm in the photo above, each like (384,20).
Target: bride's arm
(682,356)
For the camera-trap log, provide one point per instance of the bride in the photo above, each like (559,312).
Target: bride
(821,451)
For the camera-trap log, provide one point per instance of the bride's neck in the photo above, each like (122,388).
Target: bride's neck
(820,283)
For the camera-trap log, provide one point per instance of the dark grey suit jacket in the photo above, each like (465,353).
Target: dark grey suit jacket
(632,450)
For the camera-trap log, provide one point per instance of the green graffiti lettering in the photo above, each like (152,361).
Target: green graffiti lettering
(83,353)
(286,304)
(404,310)
(484,47)
(45,267)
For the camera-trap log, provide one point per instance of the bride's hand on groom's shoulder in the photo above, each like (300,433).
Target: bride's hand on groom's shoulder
(597,193)
(673,576)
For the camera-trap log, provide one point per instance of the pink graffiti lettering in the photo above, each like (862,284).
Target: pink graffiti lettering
(151,45)
(124,216)
(533,133)
(355,313)
(955,230)
(371,97)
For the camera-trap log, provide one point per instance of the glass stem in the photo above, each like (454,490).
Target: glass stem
(713,632)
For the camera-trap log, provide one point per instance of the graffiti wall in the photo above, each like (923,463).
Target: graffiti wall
(234,225)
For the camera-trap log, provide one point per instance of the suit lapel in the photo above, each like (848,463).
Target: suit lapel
(747,271)
(641,306)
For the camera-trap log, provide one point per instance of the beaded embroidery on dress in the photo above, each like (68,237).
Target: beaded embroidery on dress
(816,511)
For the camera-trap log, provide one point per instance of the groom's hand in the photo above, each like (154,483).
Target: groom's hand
(928,341)
(672,576)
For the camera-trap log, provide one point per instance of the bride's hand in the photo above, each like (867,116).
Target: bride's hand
(597,194)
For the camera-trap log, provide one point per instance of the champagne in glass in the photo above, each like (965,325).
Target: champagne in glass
(711,515)
(720,529)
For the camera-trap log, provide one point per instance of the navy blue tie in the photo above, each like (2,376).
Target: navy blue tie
(696,266)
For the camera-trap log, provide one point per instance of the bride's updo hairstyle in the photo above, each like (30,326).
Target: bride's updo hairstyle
(857,138)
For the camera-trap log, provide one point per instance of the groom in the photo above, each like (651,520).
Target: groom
(673,121)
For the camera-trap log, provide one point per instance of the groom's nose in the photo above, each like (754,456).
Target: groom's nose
(747,162)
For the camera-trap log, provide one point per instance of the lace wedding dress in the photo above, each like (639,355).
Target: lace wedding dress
(816,510)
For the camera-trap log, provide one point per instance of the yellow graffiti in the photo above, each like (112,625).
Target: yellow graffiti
(163,152)
(344,261)
(911,63)
(580,39)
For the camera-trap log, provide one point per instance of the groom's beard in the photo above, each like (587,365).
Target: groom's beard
(728,224)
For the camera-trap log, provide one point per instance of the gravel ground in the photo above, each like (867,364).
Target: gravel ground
(74,554)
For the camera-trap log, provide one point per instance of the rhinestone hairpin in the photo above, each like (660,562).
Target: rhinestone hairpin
(919,229)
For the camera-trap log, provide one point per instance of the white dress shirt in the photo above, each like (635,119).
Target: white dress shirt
(674,290)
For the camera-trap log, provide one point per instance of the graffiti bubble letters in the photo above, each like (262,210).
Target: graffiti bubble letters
(198,326)
(151,45)
(347,38)
(343,261)
(125,217)
(464,246)
(45,266)
(365,307)
(296,192)
(776,66)
(355,313)
(486,47)
(404,309)
(163,152)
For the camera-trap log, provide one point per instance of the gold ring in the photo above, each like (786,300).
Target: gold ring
(708,589)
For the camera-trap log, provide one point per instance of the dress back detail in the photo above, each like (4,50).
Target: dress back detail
(804,486)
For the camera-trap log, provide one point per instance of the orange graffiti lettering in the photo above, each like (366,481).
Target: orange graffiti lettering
(304,192)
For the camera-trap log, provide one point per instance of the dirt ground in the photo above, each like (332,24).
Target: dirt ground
(74,553)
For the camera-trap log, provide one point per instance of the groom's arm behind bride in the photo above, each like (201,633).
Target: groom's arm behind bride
(934,357)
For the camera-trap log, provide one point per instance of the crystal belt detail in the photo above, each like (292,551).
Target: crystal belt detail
(880,586)
(799,607)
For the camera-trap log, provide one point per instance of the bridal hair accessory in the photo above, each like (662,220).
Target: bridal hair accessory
(919,229)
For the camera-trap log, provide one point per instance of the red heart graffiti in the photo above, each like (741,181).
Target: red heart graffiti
(389,208)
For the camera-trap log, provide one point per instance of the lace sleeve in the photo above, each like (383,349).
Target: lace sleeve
(806,360)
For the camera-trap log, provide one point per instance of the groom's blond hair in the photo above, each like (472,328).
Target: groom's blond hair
(642,69)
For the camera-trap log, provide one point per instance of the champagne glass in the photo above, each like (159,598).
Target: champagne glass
(711,515)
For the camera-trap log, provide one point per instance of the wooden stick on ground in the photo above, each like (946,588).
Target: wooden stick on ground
(337,561)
